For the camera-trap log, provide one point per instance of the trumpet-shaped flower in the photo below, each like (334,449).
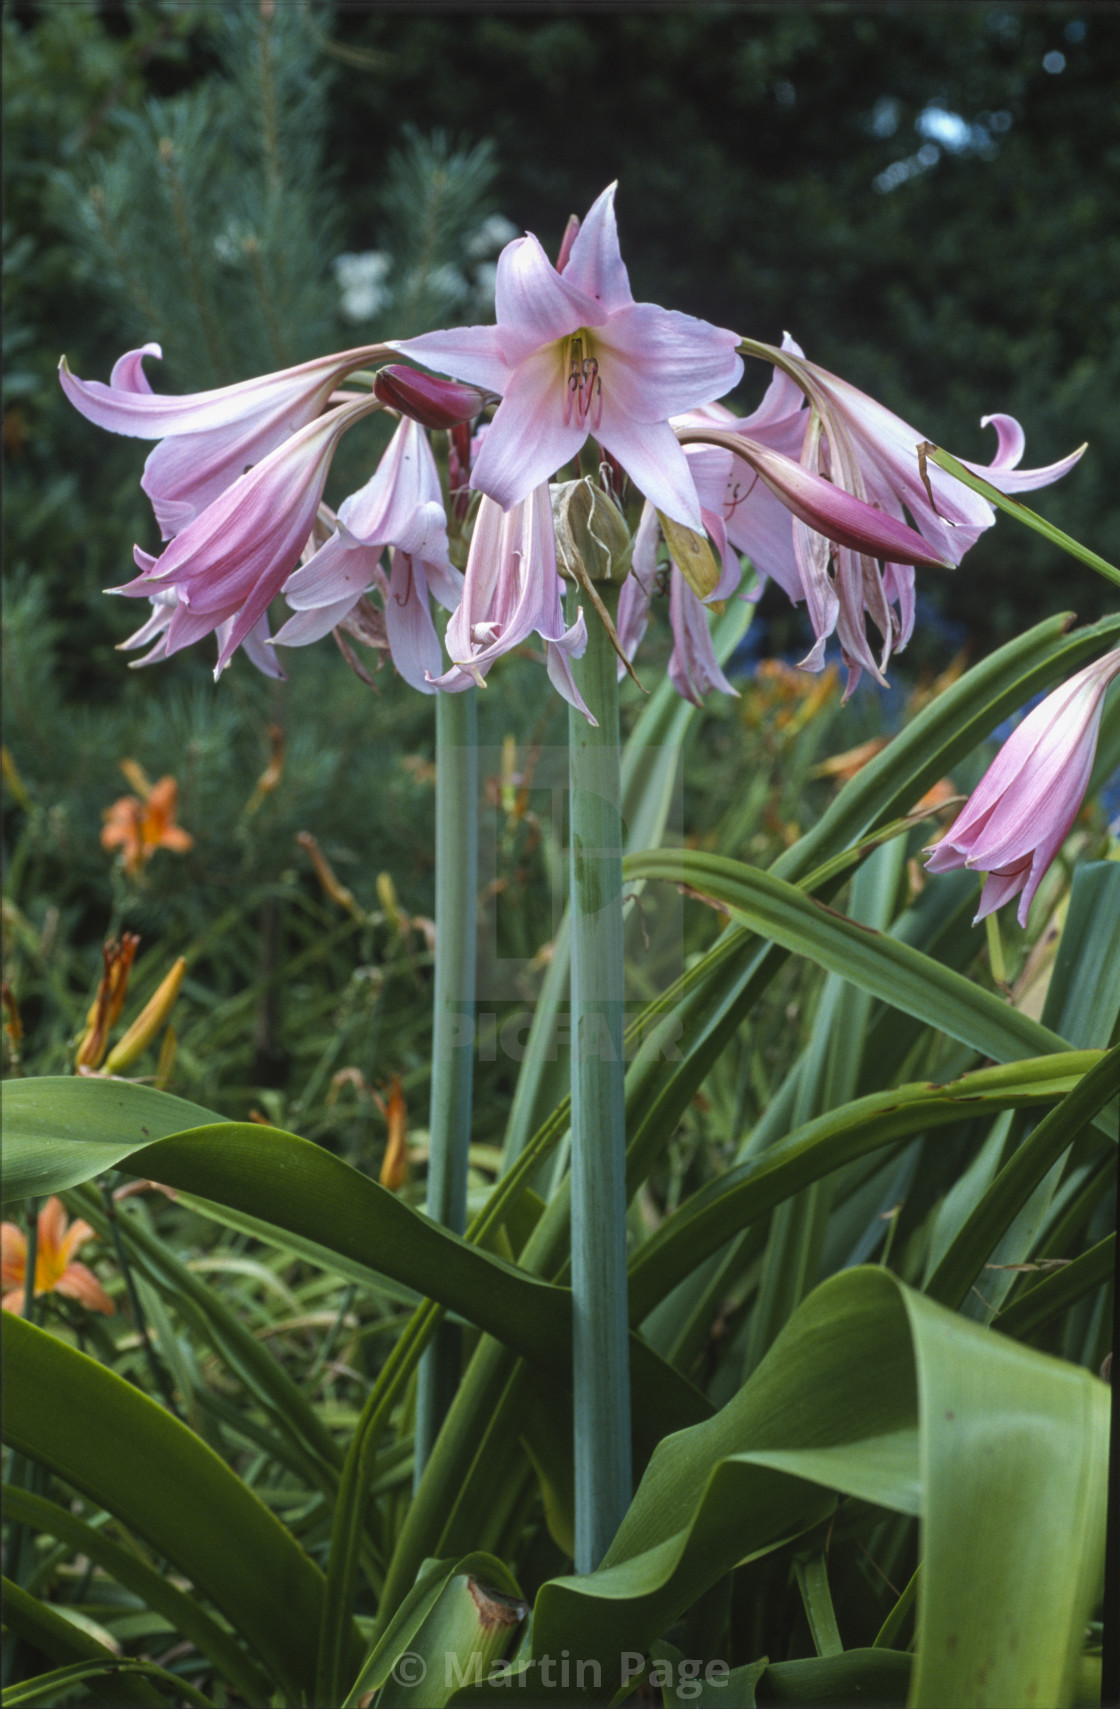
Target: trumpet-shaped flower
(573,354)
(228,564)
(400,507)
(511,590)
(1020,813)
(56,1270)
(694,669)
(208,439)
(835,432)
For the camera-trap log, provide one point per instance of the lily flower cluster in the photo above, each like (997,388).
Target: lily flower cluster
(820,487)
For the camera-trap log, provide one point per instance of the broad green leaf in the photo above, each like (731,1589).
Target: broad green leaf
(284,1180)
(876,1392)
(124,1452)
(870,1676)
(55,1137)
(185,1613)
(471,1624)
(400,1635)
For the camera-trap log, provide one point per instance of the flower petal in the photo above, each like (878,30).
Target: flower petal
(594,261)
(144,414)
(656,362)
(80,1283)
(534,303)
(413,642)
(653,459)
(528,440)
(471,353)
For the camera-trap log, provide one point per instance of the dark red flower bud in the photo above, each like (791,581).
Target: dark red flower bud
(433,403)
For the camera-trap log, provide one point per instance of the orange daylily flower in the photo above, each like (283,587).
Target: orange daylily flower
(55,1271)
(140,824)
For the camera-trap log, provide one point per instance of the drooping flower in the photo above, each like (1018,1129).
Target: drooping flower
(832,430)
(511,591)
(1020,813)
(400,507)
(573,354)
(140,824)
(56,1270)
(227,565)
(208,439)
(694,669)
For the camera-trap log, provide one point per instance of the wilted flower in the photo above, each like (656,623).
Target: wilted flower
(117,957)
(573,354)
(56,1271)
(1020,813)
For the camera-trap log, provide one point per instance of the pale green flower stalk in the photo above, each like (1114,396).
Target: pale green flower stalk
(452,1029)
(593,548)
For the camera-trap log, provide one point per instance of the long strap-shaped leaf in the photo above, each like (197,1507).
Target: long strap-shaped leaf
(130,1456)
(882,965)
(877,1392)
(732,1201)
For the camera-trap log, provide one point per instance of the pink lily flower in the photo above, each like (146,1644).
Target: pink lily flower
(694,669)
(573,354)
(256,645)
(831,429)
(229,563)
(873,453)
(1021,811)
(511,590)
(401,507)
(208,439)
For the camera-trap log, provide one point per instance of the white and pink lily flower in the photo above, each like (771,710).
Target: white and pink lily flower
(400,507)
(693,667)
(512,590)
(874,454)
(208,439)
(165,602)
(230,562)
(831,552)
(573,355)
(1021,812)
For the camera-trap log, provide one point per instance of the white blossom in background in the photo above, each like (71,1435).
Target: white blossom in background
(361,281)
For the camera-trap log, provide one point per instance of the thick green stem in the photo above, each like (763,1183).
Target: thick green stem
(600,1350)
(453,1026)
